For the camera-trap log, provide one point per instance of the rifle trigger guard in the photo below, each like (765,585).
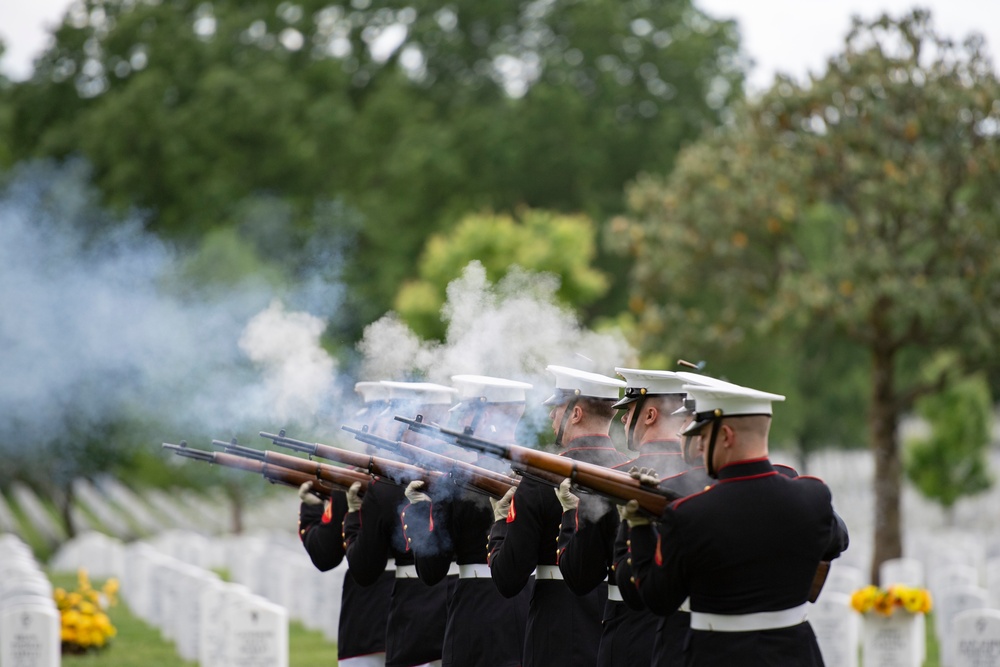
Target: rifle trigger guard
(371,466)
(572,472)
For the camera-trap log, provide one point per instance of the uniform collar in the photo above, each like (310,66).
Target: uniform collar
(660,447)
(746,468)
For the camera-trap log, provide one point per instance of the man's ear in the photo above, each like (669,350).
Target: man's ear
(651,414)
(577,415)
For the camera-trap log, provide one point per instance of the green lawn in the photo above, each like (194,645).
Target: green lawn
(140,645)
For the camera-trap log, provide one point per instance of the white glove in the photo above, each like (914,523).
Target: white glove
(307,496)
(501,508)
(630,512)
(646,476)
(567,498)
(353,497)
(414,494)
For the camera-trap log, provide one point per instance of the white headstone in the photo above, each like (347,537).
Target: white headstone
(977,638)
(843,578)
(906,571)
(949,604)
(891,641)
(258,634)
(29,635)
(837,627)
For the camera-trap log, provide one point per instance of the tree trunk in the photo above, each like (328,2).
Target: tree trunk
(64,498)
(888,467)
(236,496)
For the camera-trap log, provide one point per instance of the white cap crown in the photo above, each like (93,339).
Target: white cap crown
(425,393)
(489,389)
(574,382)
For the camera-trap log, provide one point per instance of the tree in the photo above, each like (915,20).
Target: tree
(951,461)
(409,113)
(859,208)
(539,241)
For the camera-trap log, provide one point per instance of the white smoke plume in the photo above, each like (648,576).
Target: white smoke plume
(513,330)
(90,332)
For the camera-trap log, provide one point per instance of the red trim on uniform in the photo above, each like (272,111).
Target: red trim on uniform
(658,555)
(741,461)
(511,513)
(430,519)
(810,477)
(743,479)
(677,503)
(327,513)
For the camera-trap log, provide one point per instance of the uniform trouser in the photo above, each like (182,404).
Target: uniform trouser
(627,636)
(564,629)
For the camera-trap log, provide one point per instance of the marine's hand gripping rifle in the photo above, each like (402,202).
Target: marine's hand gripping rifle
(468,475)
(272,473)
(614,485)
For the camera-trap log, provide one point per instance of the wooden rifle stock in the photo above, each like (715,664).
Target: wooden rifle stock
(395,471)
(272,473)
(469,475)
(341,478)
(615,485)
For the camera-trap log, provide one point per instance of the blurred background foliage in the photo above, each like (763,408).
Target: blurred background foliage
(821,241)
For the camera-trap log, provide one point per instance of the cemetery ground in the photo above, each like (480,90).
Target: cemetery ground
(163,546)
(138,644)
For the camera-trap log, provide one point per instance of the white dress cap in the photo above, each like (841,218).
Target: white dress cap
(372,392)
(641,382)
(425,393)
(571,382)
(489,389)
(727,400)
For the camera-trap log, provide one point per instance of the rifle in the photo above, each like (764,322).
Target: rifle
(614,485)
(273,474)
(341,478)
(394,471)
(472,477)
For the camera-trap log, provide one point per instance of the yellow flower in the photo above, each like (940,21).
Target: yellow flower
(885,602)
(863,599)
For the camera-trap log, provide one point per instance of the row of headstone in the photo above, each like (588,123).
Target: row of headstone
(215,623)
(100,555)
(41,520)
(275,566)
(8,523)
(29,620)
(110,518)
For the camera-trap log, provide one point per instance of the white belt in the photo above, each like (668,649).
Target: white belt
(406,571)
(686,605)
(474,571)
(454,568)
(548,572)
(614,595)
(764,620)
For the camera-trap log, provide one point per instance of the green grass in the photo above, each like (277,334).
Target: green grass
(140,645)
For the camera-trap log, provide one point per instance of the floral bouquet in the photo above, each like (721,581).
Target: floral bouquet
(886,601)
(84,625)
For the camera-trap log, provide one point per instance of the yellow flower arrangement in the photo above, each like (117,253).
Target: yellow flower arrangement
(84,625)
(886,601)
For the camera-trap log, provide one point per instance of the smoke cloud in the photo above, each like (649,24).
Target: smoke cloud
(512,329)
(92,332)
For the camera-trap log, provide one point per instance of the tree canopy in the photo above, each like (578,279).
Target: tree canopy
(858,210)
(410,114)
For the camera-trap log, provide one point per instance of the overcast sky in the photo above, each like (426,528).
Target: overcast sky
(790,36)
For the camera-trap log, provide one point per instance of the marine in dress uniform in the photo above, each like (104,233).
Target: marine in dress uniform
(363,610)
(745,550)
(484,629)
(373,532)
(592,550)
(563,628)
